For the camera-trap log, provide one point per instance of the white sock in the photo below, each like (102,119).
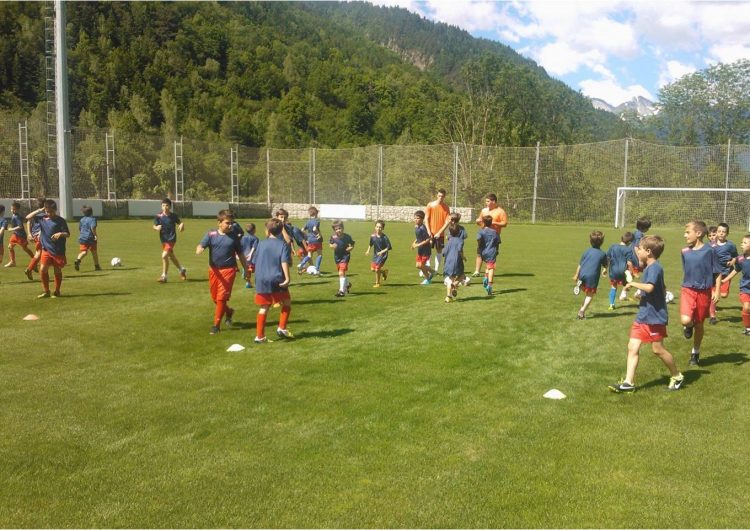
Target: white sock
(694,351)
(342,283)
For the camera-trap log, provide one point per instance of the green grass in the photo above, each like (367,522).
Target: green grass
(391,409)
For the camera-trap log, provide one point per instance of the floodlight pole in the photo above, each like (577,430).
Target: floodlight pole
(65,168)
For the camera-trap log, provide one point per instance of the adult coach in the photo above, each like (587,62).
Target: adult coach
(499,221)
(436,213)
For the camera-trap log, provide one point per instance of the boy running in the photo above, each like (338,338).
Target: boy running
(17,234)
(168,224)
(453,257)
(314,239)
(488,241)
(223,246)
(499,221)
(87,238)
(422,243)
(701,284)
(53,232)
(342,245)
(726,251)
(271,260)
(381,245)
(651,322)
(742,265)
(620,264)
(249,244)
(589,269)
(436,216)
(3,229)
(32,228)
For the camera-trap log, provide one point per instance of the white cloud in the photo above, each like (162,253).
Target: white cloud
(673,70)
(560,59)
(610,91)
(728,53)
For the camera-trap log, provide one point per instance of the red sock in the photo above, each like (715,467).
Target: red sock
(221,308)
(284,318)
(58,281)
(746,319)
(33,263)
(45,280)
(260,325)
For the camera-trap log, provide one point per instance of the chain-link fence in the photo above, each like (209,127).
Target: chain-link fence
(566,183)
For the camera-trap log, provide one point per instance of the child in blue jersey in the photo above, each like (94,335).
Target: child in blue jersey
(314,240)
(453,256)
(53,231)
(342,245)
(651,321)
(620,265)
(380,245)
(223,247)
(87,239)
(3,229)
(712,234)
(249,243)
(271,260)
(742,265)
(32,228)
(700,284)
(488,241)
(168,224)
(17,234)
(726,251)
(589,269)
(423,244)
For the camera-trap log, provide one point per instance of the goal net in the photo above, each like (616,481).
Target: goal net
(680,205)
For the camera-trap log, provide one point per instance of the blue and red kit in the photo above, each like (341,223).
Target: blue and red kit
(488,241)
(725,252)
(420,235)
(700,268)
(592,261)
(86,227)
(49,226)
(340,255)
(169,223)
(268,257)
(380,243)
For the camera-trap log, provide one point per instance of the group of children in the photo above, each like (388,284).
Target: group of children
(708,269)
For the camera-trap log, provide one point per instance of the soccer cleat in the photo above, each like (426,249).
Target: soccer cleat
(261,340)
(746,332)
(284,333)
(694,359)
(577,288)
(454,292)
(687,331)
(448,299)
(183,274)
(348,287)
(426,281)
(44,295)
(10,264)
(340,294)
(376,285)
(228,317)
(384,273)
(485,282)
(28,274)
(77,264)
(248,285)
(162,279)
(675,383)
(611,307)
(214,330)
(581,316)
(97,268)
(622,387)
(56,294)
(623,296)
(713,321)
(489,290)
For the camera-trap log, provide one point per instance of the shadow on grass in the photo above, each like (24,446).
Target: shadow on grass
(509,291)
(324,334)
(270,324)
(612,314)
(514,274)
(91,295)
(736,358)
(332,300)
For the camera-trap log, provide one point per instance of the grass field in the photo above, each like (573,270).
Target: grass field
(391,409)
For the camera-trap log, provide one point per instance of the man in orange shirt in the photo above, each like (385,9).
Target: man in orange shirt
(499,221)
(436,213)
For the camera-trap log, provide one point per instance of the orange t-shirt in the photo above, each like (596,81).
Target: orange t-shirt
(498,216)
(436,214)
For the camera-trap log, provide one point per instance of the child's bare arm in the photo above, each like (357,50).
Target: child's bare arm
(199,250)
(578,271)
(645,287)
(181,227)
(285,269)
(725,280)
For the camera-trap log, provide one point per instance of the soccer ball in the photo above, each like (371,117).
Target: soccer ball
(669,297)
(116,262)
(313,270)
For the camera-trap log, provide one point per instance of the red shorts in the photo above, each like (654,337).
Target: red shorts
(16,240)
(37,244)
(724,289)
(648,332)
(276,297)
(636,270)
(51,259)
(343,266)
(314,247)
(615,283)
(376,266)
(489,265)
(220,282)
(301,253)
(695,303)
(588,290)
(745,298)
(84,247)
(166,247)
(422,260)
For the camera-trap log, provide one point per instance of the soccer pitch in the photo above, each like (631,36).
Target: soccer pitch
(390,409)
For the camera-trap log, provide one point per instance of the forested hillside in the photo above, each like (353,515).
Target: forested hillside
(291,75)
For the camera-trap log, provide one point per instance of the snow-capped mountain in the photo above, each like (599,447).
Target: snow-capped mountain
(642,106)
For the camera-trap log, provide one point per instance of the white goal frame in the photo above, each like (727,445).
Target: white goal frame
(622,190)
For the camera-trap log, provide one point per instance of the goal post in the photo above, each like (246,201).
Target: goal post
(679,205)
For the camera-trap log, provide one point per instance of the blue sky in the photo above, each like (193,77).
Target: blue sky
(612,50)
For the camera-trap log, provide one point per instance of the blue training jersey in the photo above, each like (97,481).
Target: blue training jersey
(487,242)
(340,255)
(453,253)
(743,266)
(421,234)
(725,252)
(86,227)
(248,242)
(592,261)
(312,230)
(17,221)
(268,257)
(222,249)
(653,306)
(169,223)
(380,243)
(700,267)
(3,224)
(618,257)
(48,227)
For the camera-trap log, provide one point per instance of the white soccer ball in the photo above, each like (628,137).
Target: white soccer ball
(669,296)
(116,262)
(312,270)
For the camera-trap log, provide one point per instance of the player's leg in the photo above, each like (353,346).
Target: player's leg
(319,259)
(11,255)
(260,323)
(286,311)
(95,257)
(27,250)
(586,301)
(58,279)
(477,266)
(164,264)
(745,312)
(79,257)
(631,363)
(667,358)
(173,257)
(44,277)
